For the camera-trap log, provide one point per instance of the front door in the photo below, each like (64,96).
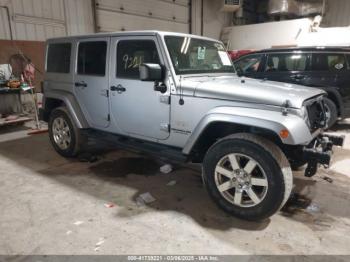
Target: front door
(136,108)
(250,65)
(287,67)
(91,80)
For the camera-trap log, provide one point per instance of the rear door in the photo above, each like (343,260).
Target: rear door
(136,108)
(91,80)
(343,83)
(332,70)
(325,68)
(287,67)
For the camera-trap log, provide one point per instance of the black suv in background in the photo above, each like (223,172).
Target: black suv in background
(327,68)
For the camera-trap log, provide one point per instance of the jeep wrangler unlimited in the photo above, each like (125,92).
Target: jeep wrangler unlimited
(177,96)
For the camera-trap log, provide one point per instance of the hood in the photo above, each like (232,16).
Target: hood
(232,87)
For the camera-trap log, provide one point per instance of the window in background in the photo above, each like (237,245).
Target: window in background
(328,62)
(286,62)
(249,64)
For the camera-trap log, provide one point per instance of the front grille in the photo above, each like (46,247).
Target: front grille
(316,114)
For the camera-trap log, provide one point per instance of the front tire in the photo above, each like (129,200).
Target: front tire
(247,176)
(64,135)
(331,112)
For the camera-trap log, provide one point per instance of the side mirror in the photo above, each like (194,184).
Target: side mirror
(151,72)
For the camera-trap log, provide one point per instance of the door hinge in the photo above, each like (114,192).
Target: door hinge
(165,99)
(165,127)
(108,117)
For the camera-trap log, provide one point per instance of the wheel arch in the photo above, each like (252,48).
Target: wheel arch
(337,100)
(56,99)
(220,129)
(267,124)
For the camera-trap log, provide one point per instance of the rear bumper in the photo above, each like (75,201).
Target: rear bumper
(320,152)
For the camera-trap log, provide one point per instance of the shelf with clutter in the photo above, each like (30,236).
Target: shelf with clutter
(16,79)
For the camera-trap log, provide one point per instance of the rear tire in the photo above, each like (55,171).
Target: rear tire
(331,112)
(247,176)
(64,134)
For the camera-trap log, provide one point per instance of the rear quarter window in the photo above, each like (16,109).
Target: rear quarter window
(58,58)
(329,62)
(348,60)
(92,58)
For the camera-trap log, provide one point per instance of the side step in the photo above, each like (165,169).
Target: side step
(133,144)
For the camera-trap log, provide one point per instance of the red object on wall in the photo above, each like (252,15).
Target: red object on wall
(29,72)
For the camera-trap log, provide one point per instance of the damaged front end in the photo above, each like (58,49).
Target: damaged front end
(319,151)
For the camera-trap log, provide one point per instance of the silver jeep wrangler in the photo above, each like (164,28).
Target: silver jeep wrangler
(177,96)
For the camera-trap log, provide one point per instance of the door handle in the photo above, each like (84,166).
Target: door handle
(298,77)
(80,84)
(118,88)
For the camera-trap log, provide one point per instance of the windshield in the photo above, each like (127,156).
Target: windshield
(195,56)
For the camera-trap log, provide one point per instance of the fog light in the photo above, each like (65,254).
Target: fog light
(284,133)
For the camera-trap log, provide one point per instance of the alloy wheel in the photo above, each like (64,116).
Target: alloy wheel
(61,133)
(241,180)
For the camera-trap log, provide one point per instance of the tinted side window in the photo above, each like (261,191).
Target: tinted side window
(132,53)
(328,62)
(286,62)
(92,58)
(249,64)
(58,58)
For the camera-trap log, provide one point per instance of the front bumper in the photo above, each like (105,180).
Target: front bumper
(320,152)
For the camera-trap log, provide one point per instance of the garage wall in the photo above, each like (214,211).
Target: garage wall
(37,20)
(215,19)
(4,24)
(120,15)
(254,36)
(337,13)
(79,17)
(42,19)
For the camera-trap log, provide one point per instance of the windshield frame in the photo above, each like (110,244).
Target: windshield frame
(232,70)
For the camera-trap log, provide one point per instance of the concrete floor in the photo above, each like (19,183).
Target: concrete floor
(52,205)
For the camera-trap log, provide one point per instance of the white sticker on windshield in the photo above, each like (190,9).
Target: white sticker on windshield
(224,58)
(201,53)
